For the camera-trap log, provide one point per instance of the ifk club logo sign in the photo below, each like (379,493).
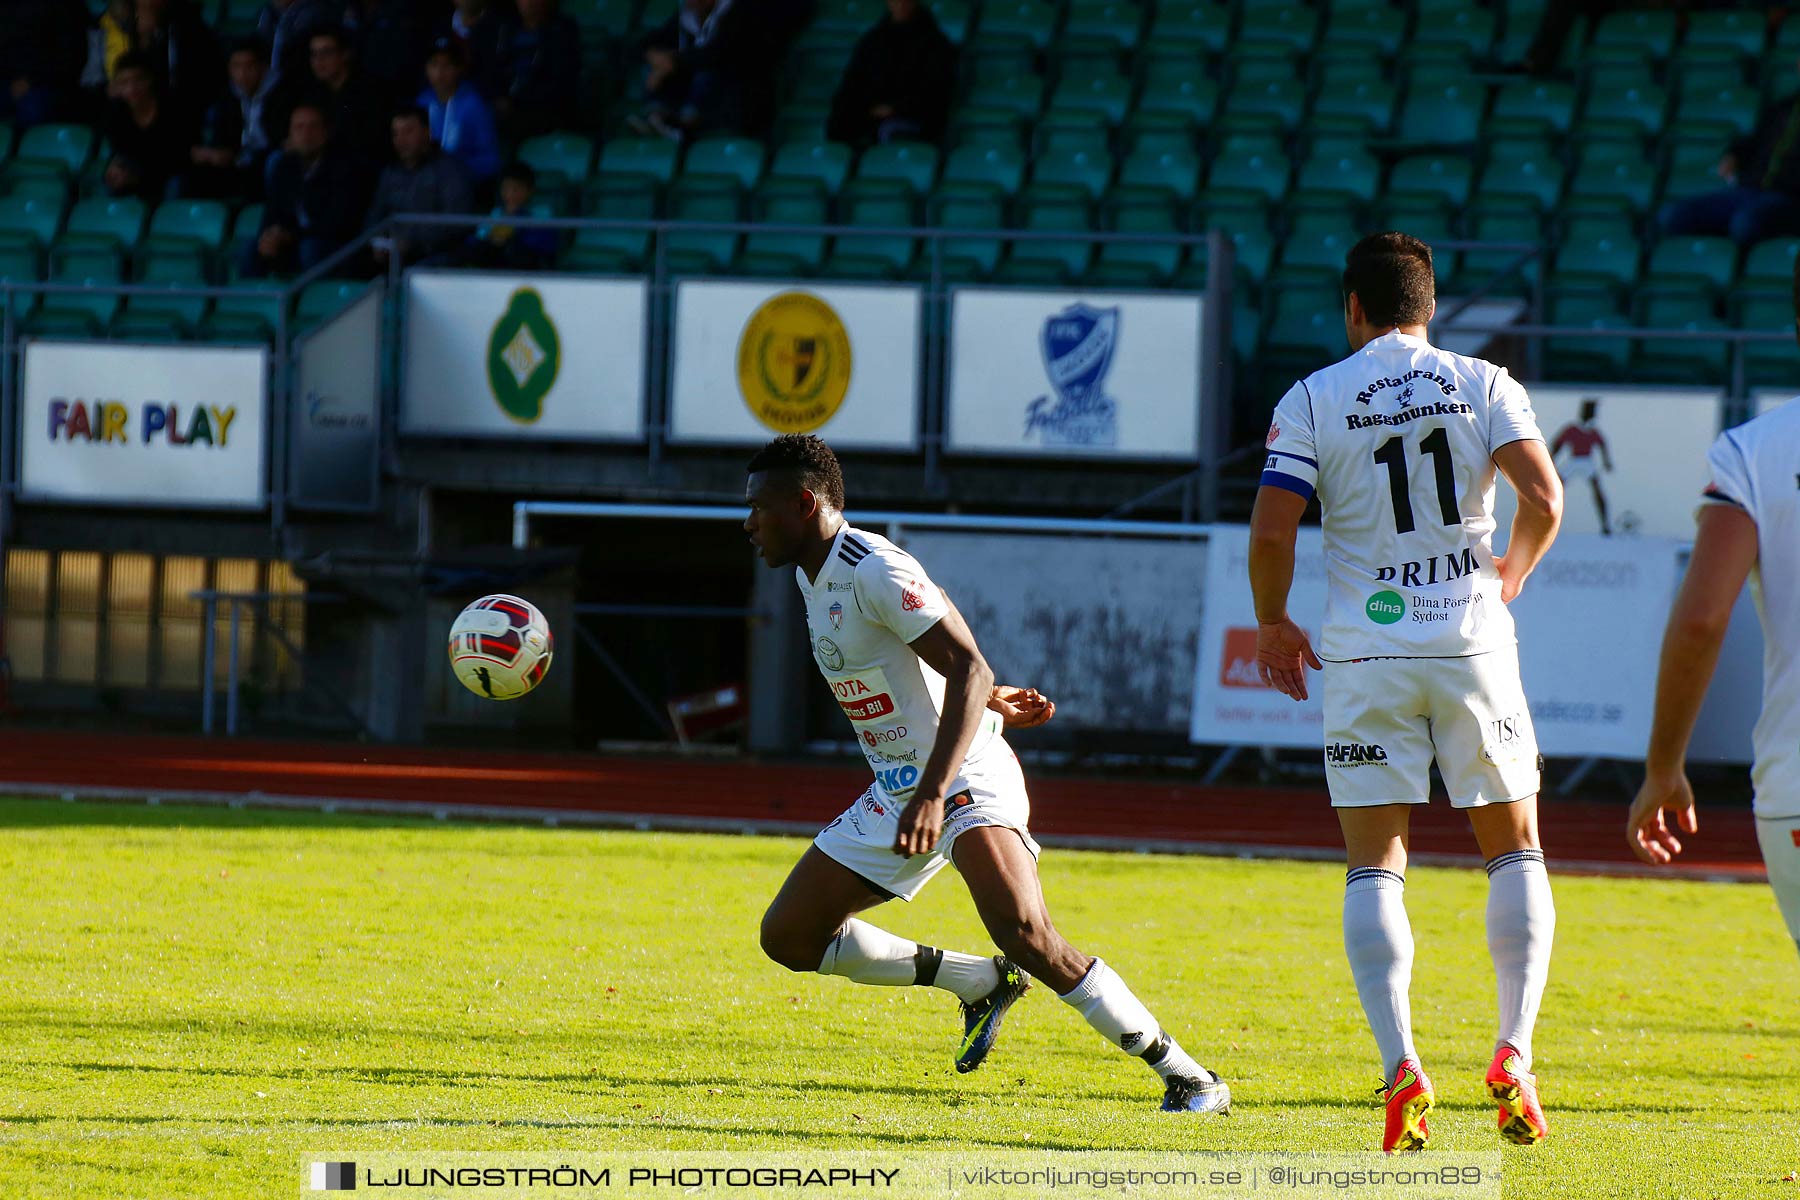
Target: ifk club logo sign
(333,1176)
(1078,345)
(523,357)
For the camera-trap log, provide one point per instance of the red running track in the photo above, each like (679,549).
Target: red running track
(738,793)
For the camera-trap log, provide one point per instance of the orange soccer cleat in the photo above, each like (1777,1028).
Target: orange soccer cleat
(1409,1098)
(1514,1089)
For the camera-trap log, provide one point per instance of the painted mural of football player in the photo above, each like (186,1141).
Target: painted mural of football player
(1588,456)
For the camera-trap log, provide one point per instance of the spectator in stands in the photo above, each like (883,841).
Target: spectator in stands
(353,104)
(312,204)
(150,140)
(899,80)
(190,69)
(43,44)
(479,26)
(286,28)
(499,244)
(539,71)
(462,123)
(1761,199)
(234,141)
(424,180)
(709,68)
(390,44)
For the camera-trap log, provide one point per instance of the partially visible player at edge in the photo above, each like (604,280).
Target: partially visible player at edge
(1749,527)
(1400,442)
(922,701)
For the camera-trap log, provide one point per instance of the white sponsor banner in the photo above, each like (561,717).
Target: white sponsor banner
(1590,626)
(1632,460)
(523,356)
(166,426)
(1074,374)
(1766,400)
(753,360)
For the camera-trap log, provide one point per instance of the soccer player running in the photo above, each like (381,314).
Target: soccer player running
(1749,527)
(922,702)
(1400,442)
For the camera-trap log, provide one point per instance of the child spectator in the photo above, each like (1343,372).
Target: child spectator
(499,244)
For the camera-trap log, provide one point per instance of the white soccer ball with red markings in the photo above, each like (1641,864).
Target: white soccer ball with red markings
(500,647)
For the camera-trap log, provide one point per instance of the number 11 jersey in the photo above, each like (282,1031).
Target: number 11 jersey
(1397,441)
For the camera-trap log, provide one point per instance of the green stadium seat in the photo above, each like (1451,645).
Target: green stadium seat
(1369,101)
(1281,100)
(990,56)
(1189,95)
(67,146)
(49,322)
(1531,108)
(1071,131)
(1769,364)
(245,225)
(804,122)
(1695,263)
(913,163)
(29,221)
(650,159)
(1603,187)
(1099,28)
(1479,268)
(787,202)
(986,127)
(1055,213)
(1314,255)
(1372,30)
(1433,175)
(199,223)
(1596,359)
(562,162)
(37,181)
(1448,113)
(1081,171)
(1160,258)
(1693,169)
(705,201)
(953,17)
(250,313)
(617,198)
(1716,114)
(1653,33)
(1094,95)
(1336,74)
(1517,169)
(1292,25)
(1344,179)
(105,221)
(1191,22)
(1618,74)
(1596,252)
(848,16)
(969,208)
(1251,64)
(1155,132)
(1699,362)
(1031,20)
(1253,250)
(880,204)
(597,260)
(1306,327)
(175,268)
(1033,272)
(1709,67)
(1769,267)
(1020,94)
(1175,173)
(87,268)
(991,166)
(1263,176)
(1124,276)
(146,326)
(828,163)
(738,159)
(320,301)
(1640,108)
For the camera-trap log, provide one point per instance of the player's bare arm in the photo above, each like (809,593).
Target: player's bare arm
(1283,651)
(949,649)
(1724,552)
(1532,473)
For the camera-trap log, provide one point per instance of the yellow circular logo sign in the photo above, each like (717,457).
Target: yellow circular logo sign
(794,363)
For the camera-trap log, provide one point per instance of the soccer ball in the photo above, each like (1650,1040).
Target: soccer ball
(500,647)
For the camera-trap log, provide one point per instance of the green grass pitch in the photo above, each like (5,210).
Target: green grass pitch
(193,998)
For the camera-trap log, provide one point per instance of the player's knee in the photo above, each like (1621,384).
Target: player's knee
(786,946)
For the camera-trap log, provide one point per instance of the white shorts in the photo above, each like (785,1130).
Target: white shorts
(1780,838)
(990,791)
(1387,718)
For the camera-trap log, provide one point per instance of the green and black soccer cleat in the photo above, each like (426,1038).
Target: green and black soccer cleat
(981,1020)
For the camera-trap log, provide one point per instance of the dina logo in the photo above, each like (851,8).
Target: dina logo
(1078,345)
(523,357)
(1384,608)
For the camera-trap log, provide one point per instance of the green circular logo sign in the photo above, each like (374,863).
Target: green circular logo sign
(1384,608)
(523,357)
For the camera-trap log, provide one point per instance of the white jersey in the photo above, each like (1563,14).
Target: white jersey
(1398,442)
(1756,467)
(870,601)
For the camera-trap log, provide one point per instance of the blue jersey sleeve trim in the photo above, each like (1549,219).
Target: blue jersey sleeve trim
(1288,483)
(1311,462)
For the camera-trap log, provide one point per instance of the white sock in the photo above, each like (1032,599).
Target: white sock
(1107,1004)
(1521,924)
(1379,941)
(865,954)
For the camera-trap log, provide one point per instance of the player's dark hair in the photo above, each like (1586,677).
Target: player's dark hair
(810,461)
(1391,274)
